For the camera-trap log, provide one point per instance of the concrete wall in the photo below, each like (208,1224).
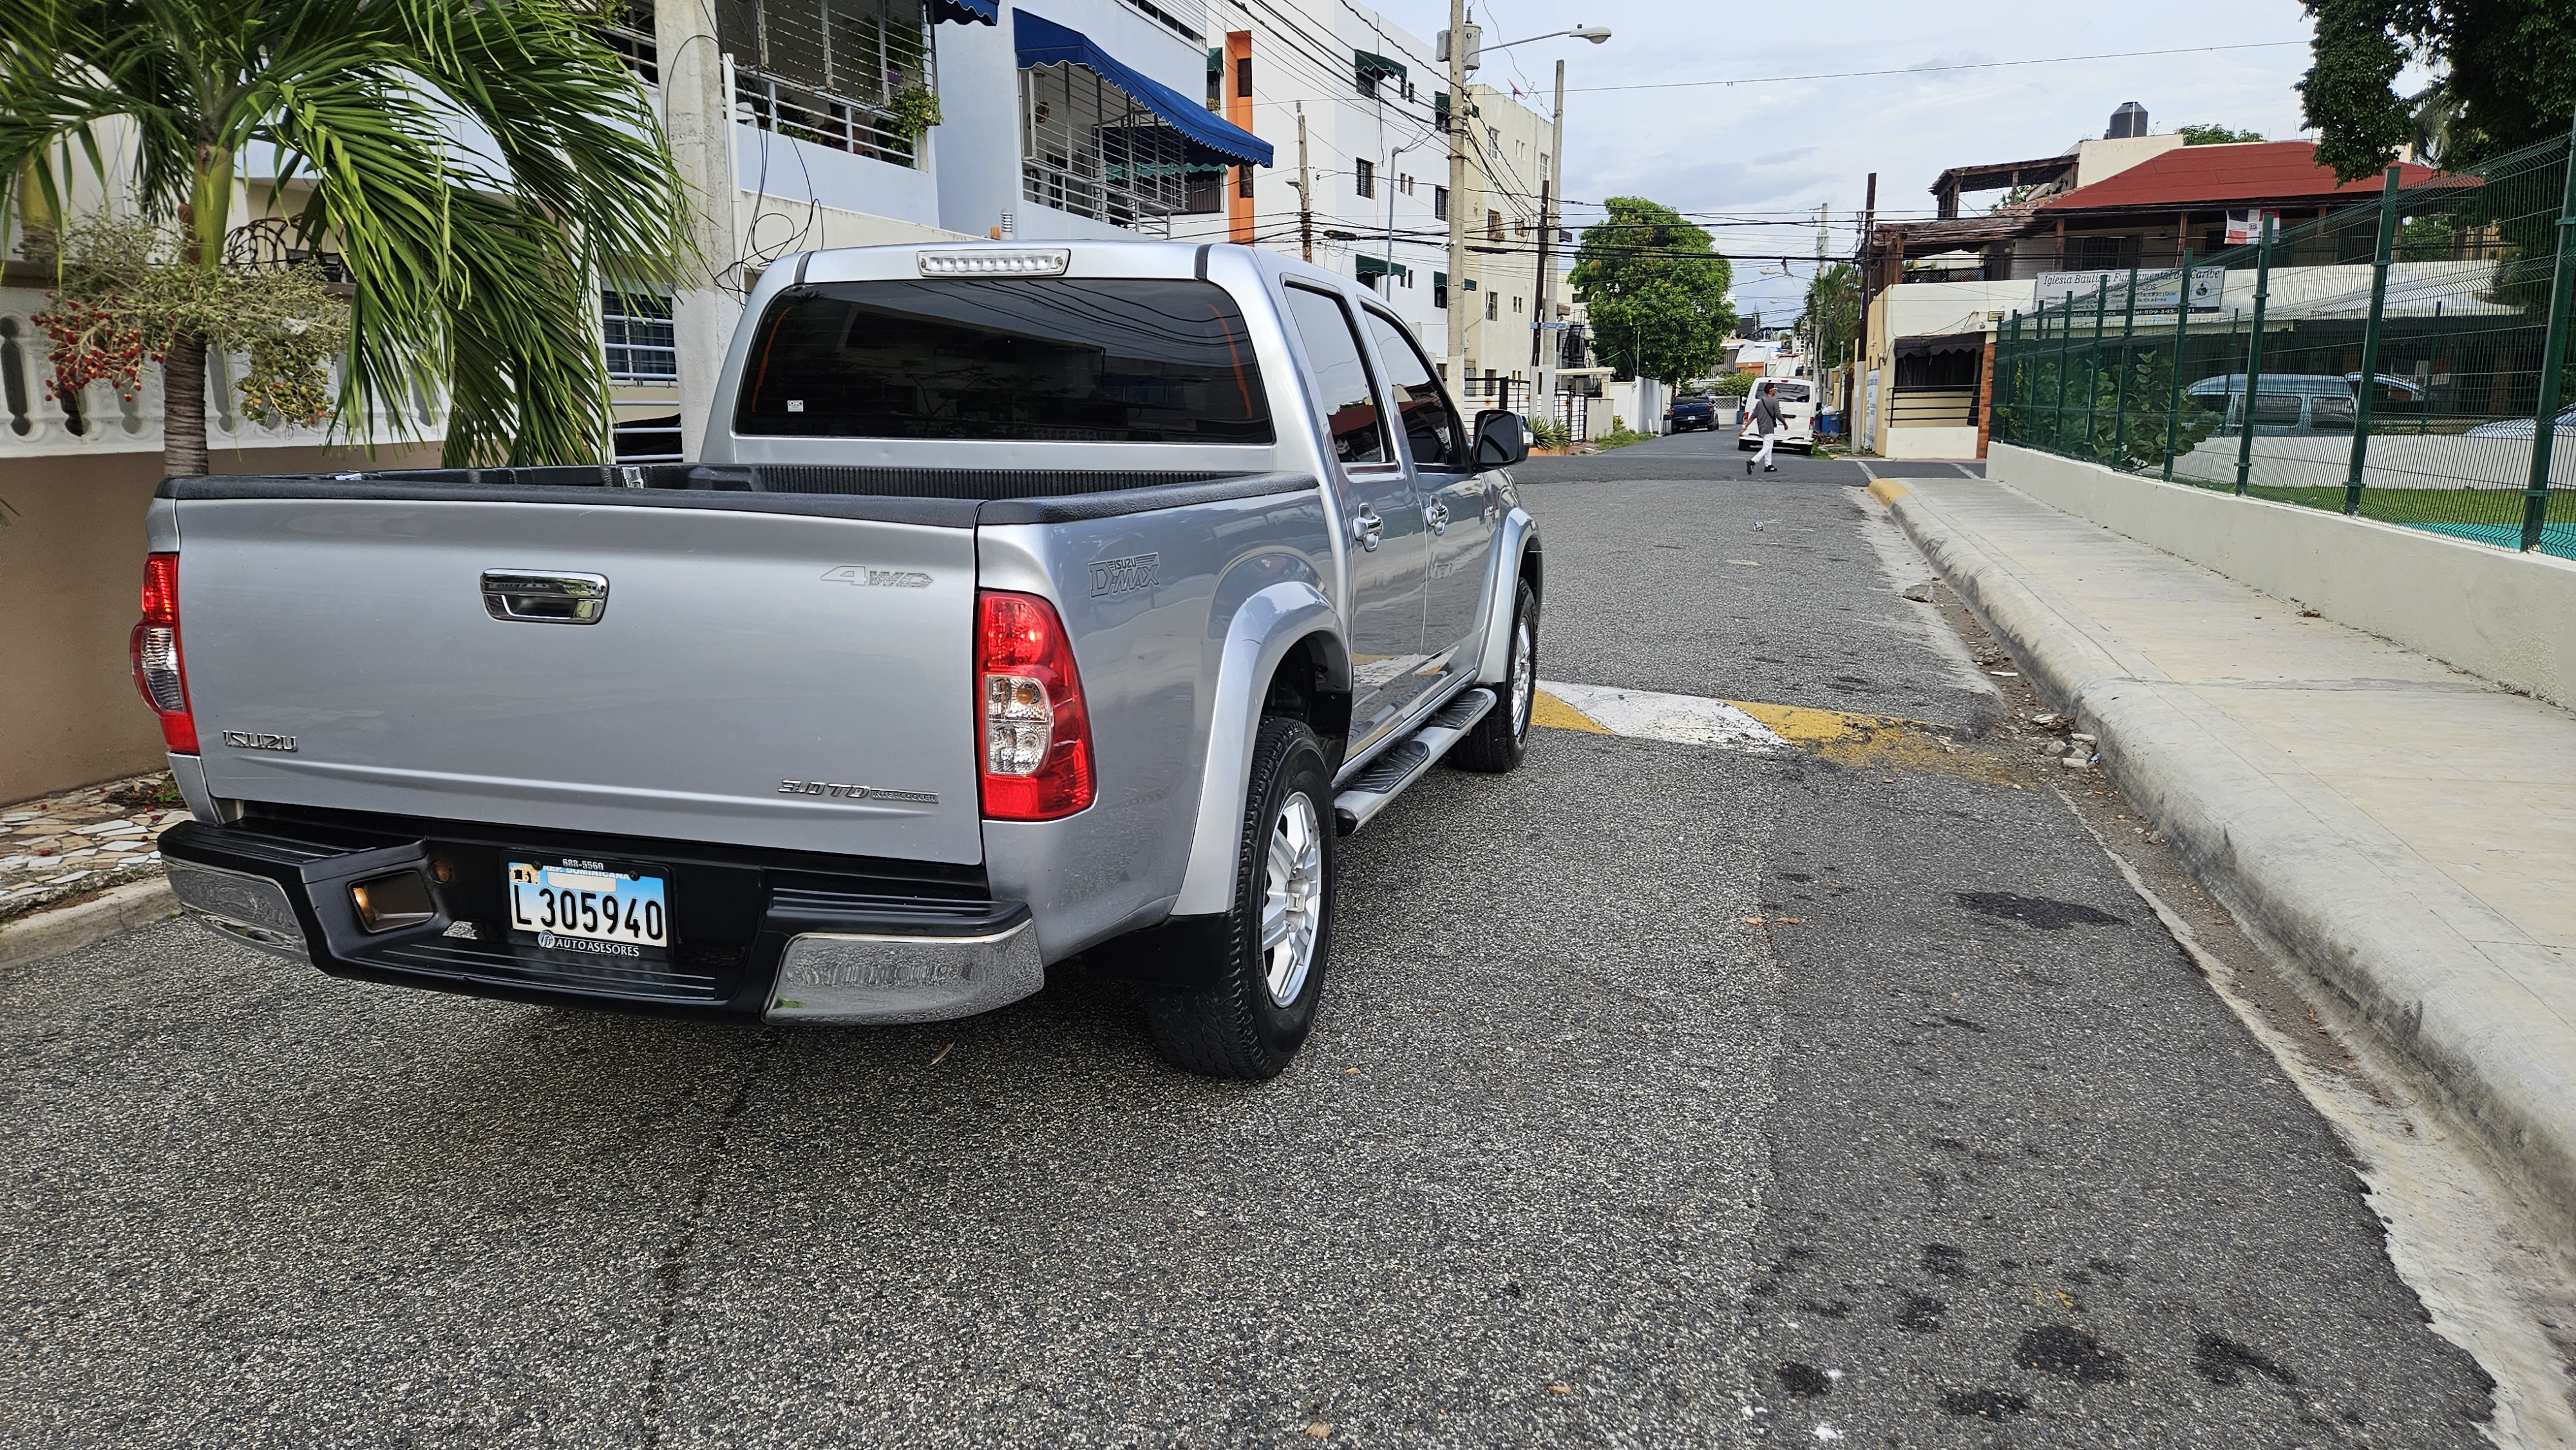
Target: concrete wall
(2508,616)
(71,563)
(1913,442)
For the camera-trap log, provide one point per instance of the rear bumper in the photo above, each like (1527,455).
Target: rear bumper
(755,936)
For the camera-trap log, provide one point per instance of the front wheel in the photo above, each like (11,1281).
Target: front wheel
(1260,1003)
(1501,739)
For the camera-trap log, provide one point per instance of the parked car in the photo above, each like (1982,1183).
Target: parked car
(1797,415)
(2285,404)
(1689,413)
(1028,602)
(2525,428)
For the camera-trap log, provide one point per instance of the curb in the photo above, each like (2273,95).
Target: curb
(2445,982)
(69,928)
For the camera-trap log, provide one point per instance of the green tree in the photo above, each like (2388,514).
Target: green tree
(1656,290)
(2211,134)
(1833,312)
(1732,385)
(472,258)
(2507,67)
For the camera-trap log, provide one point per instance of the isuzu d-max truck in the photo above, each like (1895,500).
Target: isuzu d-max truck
(1028,602)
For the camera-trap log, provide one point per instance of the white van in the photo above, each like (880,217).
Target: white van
(1797,399)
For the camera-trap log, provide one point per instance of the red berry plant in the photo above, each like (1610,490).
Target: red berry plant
(125,295)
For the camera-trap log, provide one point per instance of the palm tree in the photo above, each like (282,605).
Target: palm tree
(478,166)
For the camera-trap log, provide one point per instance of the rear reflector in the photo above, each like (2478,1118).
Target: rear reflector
(1037,735)
(160,671)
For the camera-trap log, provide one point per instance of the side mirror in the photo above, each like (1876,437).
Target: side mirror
(1500,439)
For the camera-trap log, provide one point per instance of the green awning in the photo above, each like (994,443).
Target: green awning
(1380,266)
(1373,67)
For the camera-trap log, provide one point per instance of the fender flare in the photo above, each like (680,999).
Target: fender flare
(1264,628)
(1514,540)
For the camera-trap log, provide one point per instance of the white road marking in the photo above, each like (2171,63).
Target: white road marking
(1679,719)
(1866,471)
(1964,470)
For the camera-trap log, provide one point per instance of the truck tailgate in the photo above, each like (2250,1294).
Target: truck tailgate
(758,679)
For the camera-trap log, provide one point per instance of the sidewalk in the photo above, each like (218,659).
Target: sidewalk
(2400,829)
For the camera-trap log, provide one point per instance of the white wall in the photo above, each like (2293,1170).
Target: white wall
(794,171)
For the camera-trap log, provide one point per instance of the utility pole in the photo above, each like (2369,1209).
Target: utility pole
(1853,392)
(1543,367)
(697,116)
(1305,191)
(1457,193)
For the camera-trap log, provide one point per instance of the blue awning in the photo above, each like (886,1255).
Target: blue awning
(968,12)
(1043,42)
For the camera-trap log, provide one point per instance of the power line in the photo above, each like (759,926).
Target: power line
(1908,70)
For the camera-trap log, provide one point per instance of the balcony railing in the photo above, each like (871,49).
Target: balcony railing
(1089,149)
(822,120)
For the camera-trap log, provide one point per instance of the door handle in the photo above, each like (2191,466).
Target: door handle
(525,596)
(1438,517)
(1368,529)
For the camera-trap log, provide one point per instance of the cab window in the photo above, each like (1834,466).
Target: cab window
(1430,424)
(1342,381)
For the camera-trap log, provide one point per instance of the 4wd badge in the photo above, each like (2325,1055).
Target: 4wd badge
(867,578)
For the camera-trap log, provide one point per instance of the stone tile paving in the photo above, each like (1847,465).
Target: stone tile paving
(64,847)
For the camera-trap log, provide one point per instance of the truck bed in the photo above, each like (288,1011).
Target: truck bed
(959,498)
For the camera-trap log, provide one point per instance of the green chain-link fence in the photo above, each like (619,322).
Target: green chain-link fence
(2405,361)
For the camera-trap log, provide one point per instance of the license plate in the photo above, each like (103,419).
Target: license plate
(585,906)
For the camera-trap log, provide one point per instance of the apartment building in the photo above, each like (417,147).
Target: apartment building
(1374,103)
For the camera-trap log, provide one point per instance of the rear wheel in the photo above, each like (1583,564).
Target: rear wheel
(1260,1004)
(1500,739)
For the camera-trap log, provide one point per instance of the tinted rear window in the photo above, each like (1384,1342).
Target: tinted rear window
(1113,361)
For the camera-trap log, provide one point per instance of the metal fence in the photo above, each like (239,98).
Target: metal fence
(2402,360)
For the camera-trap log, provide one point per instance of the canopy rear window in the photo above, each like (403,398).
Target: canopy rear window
(1120,360)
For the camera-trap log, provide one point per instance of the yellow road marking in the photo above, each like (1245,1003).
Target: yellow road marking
(1554,713)
(1847,737)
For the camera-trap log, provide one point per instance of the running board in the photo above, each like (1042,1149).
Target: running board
(1376,787)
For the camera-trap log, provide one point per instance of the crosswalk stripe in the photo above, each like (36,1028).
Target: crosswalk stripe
(1748,727)
(1646,715)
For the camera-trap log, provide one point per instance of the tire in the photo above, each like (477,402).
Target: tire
(1501,739)
(1251,1021)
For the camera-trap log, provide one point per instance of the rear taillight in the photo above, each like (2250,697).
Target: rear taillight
(1037,736)
(159,672)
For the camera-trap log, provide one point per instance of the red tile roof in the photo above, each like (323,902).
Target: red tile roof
(2210,176)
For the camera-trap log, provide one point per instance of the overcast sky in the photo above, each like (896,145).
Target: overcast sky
(1769,151)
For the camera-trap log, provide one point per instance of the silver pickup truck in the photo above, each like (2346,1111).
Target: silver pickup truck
(1028,603)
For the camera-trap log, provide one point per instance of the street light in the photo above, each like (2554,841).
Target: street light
(1594,33)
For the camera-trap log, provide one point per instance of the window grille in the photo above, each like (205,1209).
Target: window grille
(1366,174)
(828,71)
(1440,203)
(1089,149)
(629,32)
(637,332)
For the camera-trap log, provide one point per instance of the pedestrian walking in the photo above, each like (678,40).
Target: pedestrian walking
(1766,422)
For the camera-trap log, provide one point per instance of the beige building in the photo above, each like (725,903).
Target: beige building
(1509,162)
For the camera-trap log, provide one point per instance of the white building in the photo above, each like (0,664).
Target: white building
(1374,101)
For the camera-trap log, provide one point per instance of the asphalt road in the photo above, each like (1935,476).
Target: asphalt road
(1948,1145)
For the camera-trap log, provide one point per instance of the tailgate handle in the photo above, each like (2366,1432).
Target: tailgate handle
(529,597)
